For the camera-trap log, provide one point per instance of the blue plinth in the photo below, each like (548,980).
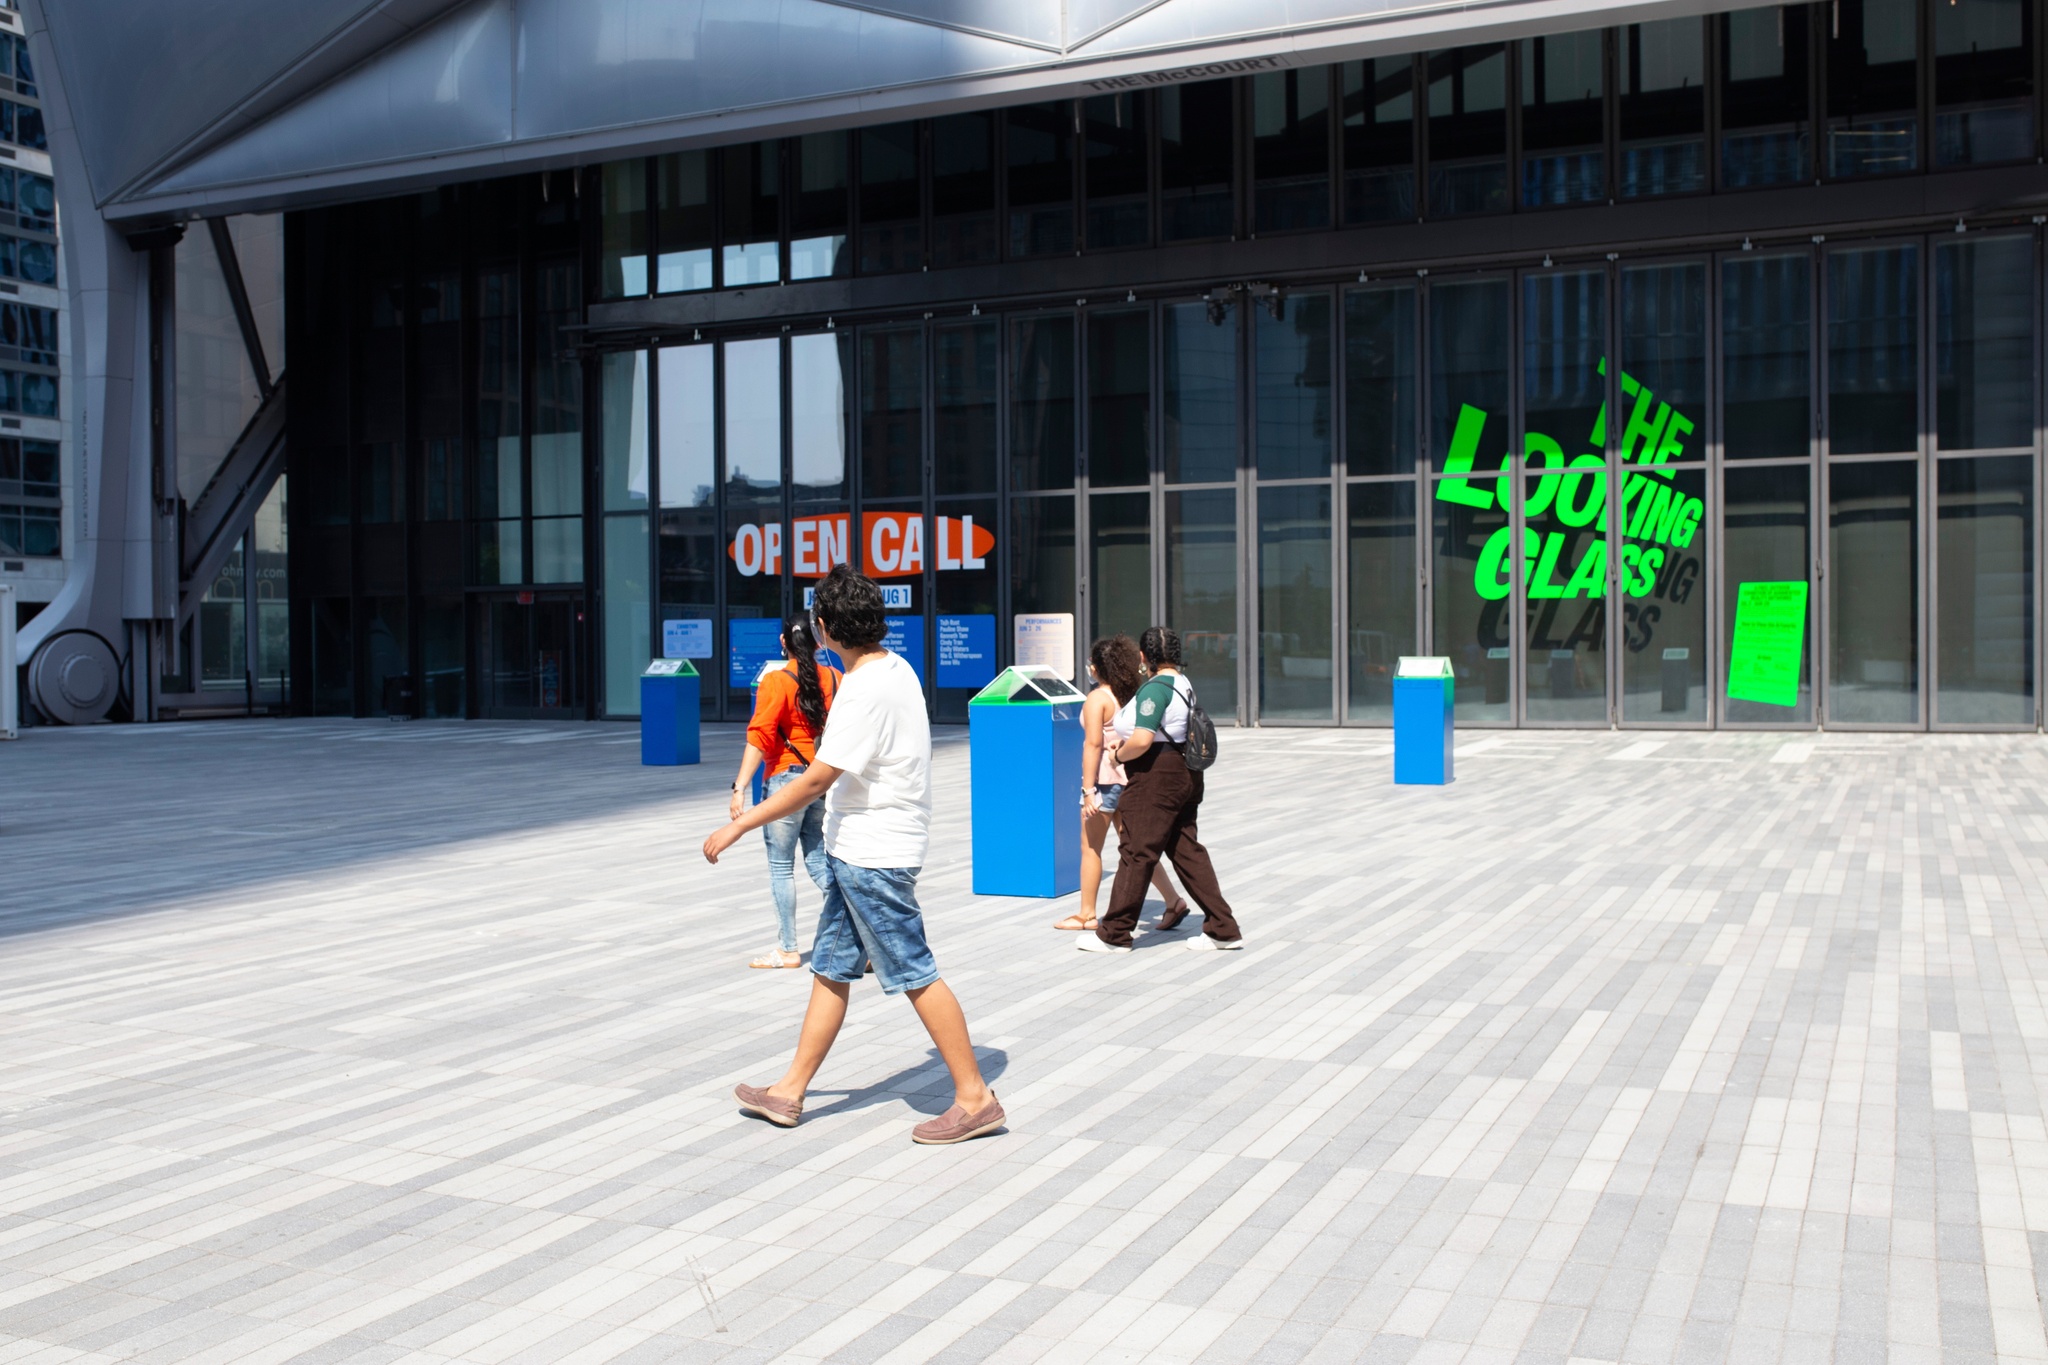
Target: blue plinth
(1422,731)
(668,720)
(1026,765)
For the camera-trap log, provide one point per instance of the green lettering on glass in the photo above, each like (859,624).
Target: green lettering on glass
(1573,511)
(1487,579)
(1541,580)
(1645,427)
(1536,443)
(1590,578)
(1458,461)
(1672,447)
(1769,643)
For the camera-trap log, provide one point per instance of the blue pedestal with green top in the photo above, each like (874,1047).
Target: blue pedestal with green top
(1423,731)
(1024,751)
(669,714)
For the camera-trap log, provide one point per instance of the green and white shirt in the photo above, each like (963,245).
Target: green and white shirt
(1160,706)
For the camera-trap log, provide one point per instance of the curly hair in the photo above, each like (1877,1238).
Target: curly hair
(1118,665)
(848,607)
(1160,646)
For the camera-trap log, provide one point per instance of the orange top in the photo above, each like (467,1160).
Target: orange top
(778,728)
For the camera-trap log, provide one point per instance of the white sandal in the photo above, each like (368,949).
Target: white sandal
(772,959)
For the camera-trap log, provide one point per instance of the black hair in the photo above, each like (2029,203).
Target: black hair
(1160,646)
(848,606)
(1117,665)
(803,648)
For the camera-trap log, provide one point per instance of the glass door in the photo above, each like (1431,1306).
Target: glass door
(531,647)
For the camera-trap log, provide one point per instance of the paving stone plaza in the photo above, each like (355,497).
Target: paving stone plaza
(349,1041)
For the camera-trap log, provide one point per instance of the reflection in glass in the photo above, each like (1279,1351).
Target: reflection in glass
(1119,564)
(625,428)
(1664,338)
(386,649)
(891,235)
(1984,592)
(1042,403)
(1376,99)
(1201,593)
(380,479)
(555,451)
(751,179)
(1764,118)
(891,412)
(558,549)
(628,641)
(1291,149)
(1116,156)
(1766,522)
(1119,397)
(1983,82)
(683,223)
(442,662)
(1767,339)
(1984,342)
(1383,570)
(1468,130)
(333,654)
(964,415)
(751,596)
(1564,349)
(1873,350)
(1662,71)
(817,236)
(1873,593)
(499,486)
(753,416)
(1039,157)
(1663,578)
(1873,86)
(1197,130)
(965,591)
(1468,364)
(624,235)
(1042,554)
(1297,669)
(689,475)
(1470,577)
(1200,362)
(1565,569)
(820,377)
(689,553)
(1563,119)
(1379,379)
(963,189)
(223,617)
(1293,388)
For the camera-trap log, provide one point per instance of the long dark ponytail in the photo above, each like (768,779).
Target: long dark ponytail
(810,694)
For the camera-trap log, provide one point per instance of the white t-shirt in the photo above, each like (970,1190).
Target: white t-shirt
(1173,726)
(879,812)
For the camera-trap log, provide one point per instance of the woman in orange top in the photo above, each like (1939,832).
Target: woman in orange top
(789,715)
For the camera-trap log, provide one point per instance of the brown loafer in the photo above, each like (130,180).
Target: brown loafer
(957,1125)
(783,1113)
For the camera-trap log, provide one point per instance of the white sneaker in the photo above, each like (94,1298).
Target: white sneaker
(1089,943)
(1202,943)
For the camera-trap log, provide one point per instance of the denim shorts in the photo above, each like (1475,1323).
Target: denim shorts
(1107,795)
(871,916)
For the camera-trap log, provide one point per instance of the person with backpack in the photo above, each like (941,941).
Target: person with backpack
(789,714)
(1167,743)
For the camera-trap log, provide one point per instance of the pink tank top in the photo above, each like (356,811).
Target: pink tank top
(1110,773)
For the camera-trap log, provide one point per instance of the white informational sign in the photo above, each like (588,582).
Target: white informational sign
(1423,666)
(686,638)
(1046,638)
(895,597)
(663,668)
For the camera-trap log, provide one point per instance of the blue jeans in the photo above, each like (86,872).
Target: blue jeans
(871,915)
(782,836)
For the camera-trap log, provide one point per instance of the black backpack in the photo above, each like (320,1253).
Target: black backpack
(1198,750)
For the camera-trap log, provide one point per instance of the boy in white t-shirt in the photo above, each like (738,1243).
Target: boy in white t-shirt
(874,767)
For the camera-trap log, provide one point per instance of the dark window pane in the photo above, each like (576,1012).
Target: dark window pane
(624,230)
(556,447)
(1296,661)
(891,412)
(1663,108)
(683,225)
(1119,564)
(1377,100)
(1042,404)
(1039,155)
(1042,554)
(380,482)
(1468,365)
(1984,342)
(333,658)
(1984,595)
(1379,379)
(1201,593)
(1468,130)
(1291,149)
(1765,519)
(751,178)
(1873,86)
(817,237)
(1563,117)
(965,585)
(1767,340)
(500,479)
(1200,363)
(891,237)
(1119,398)
(1983,82)
(1664,350)
(1873,593)
(1764,118)
(1197,132)
(441,691)
(964,455)
(1564,342)
(1383,574)
(1293,394)
(963,189)
(1114,143)
(1873,350)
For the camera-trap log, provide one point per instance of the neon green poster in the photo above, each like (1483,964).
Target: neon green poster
(1770,642)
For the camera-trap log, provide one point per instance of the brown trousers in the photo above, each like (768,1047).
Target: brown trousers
(1158,814)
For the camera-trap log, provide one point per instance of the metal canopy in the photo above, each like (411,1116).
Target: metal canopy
(222,106)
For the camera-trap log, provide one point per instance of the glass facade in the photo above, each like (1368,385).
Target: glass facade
(1574,472)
